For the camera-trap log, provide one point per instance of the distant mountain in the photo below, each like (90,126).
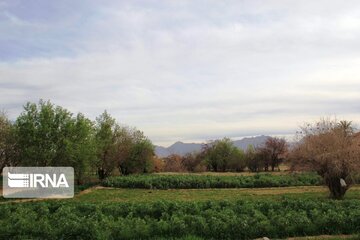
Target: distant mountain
(255,141)
(161,151)
(181,148)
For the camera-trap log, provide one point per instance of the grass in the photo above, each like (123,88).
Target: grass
(143,195)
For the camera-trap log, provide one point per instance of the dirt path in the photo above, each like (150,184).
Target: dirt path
(42,199)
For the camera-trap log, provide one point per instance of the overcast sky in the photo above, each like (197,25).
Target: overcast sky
(185,70)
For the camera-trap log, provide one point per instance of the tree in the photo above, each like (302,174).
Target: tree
(130,141)
(140,157)
(158,164)
(107,132)
(8,152)
(331,149)
(41,132)
(237,160)
(275,148)
(48,135)
(222,155)
(255,159)
(173,163)
(127,149)
(81,147)
(192,162)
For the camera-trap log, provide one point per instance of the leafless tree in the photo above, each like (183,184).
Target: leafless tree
(330,148)
(272,152)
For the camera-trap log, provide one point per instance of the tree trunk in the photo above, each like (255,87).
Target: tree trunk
(336,190)
(101,173)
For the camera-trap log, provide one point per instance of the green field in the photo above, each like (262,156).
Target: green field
(246,218)
(143,195)
(100,212)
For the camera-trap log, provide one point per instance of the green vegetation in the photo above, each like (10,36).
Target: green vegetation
(110,195)
(242,219)
(222,155)
(124,148)
(178,206)
(206,181)
(49,135)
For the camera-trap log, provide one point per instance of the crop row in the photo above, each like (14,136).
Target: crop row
(216,220)
(152,181)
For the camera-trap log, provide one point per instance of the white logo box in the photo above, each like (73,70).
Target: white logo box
(38,182)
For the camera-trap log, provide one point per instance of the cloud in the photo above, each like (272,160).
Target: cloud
(184,70)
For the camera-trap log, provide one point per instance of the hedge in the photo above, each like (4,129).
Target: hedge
(152,181)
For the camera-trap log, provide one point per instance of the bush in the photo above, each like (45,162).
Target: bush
(209,181)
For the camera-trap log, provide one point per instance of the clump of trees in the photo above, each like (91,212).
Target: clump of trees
(124,148)
(331,148)
(49,135)
(223,156)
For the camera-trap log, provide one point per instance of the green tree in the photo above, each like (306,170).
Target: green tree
(255,159)
(107,132)
(81,147)
(49,135)
(237,160)
(140,158)
(41,133)
(222,155)
(121,147)
(8,151)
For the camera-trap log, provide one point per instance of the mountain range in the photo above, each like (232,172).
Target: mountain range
(182,148)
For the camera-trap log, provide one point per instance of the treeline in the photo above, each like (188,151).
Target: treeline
(49,135)
(222,156)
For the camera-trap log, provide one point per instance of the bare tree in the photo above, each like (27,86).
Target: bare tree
(276,148)
(331,149)
(173,163)
(272,152)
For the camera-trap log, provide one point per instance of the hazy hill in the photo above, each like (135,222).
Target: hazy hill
(181,148)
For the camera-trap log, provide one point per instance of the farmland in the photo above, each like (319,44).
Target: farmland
(101,195)
(178,213)
(288,216)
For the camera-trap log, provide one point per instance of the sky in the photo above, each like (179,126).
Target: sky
(185,70)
